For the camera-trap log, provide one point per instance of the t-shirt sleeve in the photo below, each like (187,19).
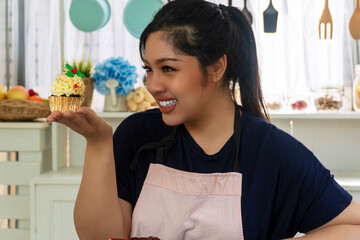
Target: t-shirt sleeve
(320,197)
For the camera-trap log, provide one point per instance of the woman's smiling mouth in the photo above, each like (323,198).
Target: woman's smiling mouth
(168,103)
(167,106)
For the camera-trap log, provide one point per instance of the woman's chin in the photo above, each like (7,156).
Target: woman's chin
(171,120)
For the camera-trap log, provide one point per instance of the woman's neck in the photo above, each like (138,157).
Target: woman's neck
(216,124)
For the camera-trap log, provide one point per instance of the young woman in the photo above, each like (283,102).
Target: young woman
(202,166)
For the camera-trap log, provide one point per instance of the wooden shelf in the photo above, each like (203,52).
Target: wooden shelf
(36,124)
(273,115)
(316,115)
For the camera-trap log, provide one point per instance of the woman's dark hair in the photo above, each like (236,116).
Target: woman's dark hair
(207,31)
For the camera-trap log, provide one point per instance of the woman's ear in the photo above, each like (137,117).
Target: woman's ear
(217,69)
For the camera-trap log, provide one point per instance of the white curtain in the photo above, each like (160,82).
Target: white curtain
(291,60)
(42,44)
(8,42)
(294,58)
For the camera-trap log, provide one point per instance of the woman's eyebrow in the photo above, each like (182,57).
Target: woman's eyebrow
(161,60)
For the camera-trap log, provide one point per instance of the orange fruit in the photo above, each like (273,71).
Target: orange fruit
(36,98)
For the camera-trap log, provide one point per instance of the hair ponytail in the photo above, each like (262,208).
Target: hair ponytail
(208,31)
(243,68)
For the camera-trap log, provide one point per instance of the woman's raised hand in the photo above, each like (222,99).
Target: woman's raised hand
(85,122)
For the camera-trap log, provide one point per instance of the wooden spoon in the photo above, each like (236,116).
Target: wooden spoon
(354,24)
(112,84)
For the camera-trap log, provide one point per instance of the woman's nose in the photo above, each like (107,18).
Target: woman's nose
(155,83)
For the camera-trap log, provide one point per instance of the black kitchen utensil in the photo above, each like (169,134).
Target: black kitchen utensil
(247,13)
(270,19)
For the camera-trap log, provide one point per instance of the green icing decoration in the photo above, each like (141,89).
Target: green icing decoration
(80,74)
(68,67)
(70,74)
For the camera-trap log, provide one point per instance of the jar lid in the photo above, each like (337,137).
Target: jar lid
(327,88)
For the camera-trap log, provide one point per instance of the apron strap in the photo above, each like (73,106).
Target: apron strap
(162,147)
(237,138)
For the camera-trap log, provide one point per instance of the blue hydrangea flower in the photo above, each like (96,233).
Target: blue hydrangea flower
(118,69)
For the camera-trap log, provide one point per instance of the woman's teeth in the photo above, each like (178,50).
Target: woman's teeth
(167,103)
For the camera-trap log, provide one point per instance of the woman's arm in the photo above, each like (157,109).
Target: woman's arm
(345,226)
(99,213)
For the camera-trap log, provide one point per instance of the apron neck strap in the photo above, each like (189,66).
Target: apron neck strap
(163,146)
(237,138)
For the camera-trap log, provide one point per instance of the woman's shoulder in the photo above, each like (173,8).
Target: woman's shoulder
(260,132)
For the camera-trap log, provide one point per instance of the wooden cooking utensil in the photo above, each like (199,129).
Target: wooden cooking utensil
(354,24)
(270,19)
(247,13)
(326,19)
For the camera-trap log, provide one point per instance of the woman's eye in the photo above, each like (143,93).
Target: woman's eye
(168,69)
(147,68)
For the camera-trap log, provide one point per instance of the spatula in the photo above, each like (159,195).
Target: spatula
(354,24)
(270,19)
(112,84)
(247,13)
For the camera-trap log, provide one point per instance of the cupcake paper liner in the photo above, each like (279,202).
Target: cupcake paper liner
(64,104)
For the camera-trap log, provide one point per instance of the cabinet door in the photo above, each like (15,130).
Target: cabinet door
(54,207)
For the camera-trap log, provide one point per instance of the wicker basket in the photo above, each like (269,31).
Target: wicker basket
(23,110)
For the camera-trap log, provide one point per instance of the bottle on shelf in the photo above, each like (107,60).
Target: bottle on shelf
(356,88)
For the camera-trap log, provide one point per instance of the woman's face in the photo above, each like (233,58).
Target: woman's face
(176,81)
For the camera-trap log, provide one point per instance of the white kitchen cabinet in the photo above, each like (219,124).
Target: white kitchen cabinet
(52,204)
(30,143)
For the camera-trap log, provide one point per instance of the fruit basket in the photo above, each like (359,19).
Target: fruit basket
(23,110)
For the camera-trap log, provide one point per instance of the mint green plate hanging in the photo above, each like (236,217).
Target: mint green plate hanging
(139,13)
(89,15)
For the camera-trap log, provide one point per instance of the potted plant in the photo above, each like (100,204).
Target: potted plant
(85,67)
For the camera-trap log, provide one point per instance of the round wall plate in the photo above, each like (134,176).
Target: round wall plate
(89,15)
(139,13)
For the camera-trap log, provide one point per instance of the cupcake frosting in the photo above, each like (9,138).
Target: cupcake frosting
(68,86)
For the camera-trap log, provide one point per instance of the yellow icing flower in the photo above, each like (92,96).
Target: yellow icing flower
(65,85)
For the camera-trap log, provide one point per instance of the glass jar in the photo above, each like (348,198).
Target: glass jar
(328,97)
(274,102)
(356,89)
(298,102)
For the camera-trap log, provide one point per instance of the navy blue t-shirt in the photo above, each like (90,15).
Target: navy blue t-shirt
(285,189)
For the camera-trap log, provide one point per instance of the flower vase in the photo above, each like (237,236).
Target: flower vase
(115,103)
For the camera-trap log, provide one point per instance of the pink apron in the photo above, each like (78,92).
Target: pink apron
(175,204)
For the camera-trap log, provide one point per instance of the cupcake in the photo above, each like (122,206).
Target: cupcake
(67,91)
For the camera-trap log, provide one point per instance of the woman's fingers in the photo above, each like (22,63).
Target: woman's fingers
(75,122)
(53,116)
(89,114)
(101,129)
(71,120)
(84,121)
